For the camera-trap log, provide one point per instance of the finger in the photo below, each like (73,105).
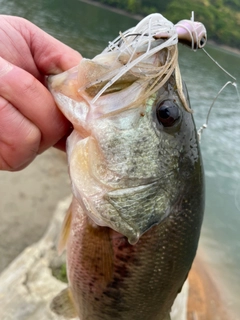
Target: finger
(19,138)
(61,144)
(34,102)
(14,48)
(27,46)
(50,55)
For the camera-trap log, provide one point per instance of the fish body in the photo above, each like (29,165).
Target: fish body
(132,230)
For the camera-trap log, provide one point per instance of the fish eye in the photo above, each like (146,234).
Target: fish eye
(167,113)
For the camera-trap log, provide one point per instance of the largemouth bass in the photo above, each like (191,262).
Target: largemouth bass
(132,230)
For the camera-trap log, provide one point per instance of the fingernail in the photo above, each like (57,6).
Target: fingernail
(5,67)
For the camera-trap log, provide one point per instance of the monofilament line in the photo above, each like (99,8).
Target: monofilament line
(229,74)
(204,126)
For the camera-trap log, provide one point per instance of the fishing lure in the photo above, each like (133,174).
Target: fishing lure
(136,45)
(194,34)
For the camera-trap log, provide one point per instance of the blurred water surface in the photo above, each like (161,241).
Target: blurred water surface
(88,29)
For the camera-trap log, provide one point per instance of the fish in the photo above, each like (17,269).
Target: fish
(132,230)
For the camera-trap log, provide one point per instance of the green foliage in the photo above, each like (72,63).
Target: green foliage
(221,17)
(60,273)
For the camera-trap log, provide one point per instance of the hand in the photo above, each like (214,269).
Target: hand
(30,122)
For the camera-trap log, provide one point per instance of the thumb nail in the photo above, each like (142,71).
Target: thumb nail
(5,67)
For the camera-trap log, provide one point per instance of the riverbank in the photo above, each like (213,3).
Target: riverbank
(225,48)
(138,17)
(119,11)
(28,200)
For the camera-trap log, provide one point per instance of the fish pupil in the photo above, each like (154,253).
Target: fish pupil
(167,113)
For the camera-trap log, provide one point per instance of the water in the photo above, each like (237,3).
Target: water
(88,29)
(221,154)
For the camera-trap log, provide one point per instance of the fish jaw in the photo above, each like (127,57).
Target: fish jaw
(64,90)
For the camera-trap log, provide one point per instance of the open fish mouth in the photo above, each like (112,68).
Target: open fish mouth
(135,65)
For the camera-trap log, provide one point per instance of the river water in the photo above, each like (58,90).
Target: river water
(88,29)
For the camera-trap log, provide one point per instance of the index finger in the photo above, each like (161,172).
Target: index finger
(49,54)
(52,56)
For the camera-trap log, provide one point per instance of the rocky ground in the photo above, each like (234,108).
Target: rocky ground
(28,200)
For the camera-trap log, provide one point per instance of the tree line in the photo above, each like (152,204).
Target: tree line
(221,17)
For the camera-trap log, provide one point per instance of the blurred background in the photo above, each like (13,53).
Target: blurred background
(28,198)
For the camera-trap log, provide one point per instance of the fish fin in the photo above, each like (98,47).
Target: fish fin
(101,252)
(63,304)
(65,232)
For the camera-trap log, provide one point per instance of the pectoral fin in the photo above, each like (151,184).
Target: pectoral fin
(98,246)
(63,304)
(66,227)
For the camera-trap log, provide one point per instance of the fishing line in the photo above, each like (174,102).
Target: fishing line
(194,34)
(204,126)
(224,70)
(234,84)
